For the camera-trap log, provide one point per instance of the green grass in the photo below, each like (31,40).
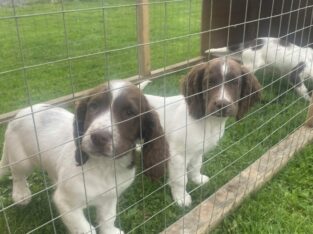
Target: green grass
(89,47)
(69,52)
(283,206)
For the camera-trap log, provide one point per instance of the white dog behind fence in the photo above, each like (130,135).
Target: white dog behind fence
(289,58)
(95,169)
(195,121)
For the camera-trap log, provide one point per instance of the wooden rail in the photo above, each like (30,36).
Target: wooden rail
(65,100)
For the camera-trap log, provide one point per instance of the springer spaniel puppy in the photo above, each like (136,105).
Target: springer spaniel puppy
(281,54)
(93,166)
(194,122)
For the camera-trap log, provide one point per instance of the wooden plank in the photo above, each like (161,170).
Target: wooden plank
(143,37)
(220,16)
(176,67)
(204,217)
(65,100)
(205,26)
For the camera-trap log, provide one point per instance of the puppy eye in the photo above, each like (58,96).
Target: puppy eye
(93,106)
(130,112)
(234,81)
(212,82)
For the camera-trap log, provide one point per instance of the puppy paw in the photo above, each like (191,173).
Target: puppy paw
(113,230)
(84,230)
(201,179)
(91,230)
(307,98)
(184,200)
(22,196)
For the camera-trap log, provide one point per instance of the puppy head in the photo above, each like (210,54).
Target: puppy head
(112,118)
(220,88)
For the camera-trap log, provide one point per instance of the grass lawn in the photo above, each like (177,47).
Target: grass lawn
(54,54)
(62,53)
(284,205)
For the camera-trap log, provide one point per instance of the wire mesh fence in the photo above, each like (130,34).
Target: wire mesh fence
(52,51)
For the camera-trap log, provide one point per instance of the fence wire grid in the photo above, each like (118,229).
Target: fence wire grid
(53,51)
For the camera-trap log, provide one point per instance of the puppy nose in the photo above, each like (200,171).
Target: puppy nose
(101,138)
(222,104)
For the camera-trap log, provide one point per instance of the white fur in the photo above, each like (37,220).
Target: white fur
(224,68)
(103,122)
(116,86)
(94,182)
(223,93)
(188,139)
(278,56)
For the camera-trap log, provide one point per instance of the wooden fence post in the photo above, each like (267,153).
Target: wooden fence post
(205,26)
(143,37)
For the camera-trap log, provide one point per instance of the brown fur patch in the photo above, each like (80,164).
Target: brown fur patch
(250,92)
(191,88)
(155,148)
(294,77)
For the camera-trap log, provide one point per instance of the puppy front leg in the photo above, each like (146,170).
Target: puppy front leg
(194,171)
(73,217)
(21,193)
(178,180)
(106,215)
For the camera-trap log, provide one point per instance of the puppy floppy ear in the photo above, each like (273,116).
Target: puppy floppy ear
(250,92)
(191,88)
(155,148)
(79,120)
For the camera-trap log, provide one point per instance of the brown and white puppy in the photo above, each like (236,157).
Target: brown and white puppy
(195,121)
(96,165)
(292,60)
(111,119)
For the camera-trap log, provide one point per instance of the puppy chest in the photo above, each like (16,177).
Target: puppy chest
(197,138)
(106,185)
